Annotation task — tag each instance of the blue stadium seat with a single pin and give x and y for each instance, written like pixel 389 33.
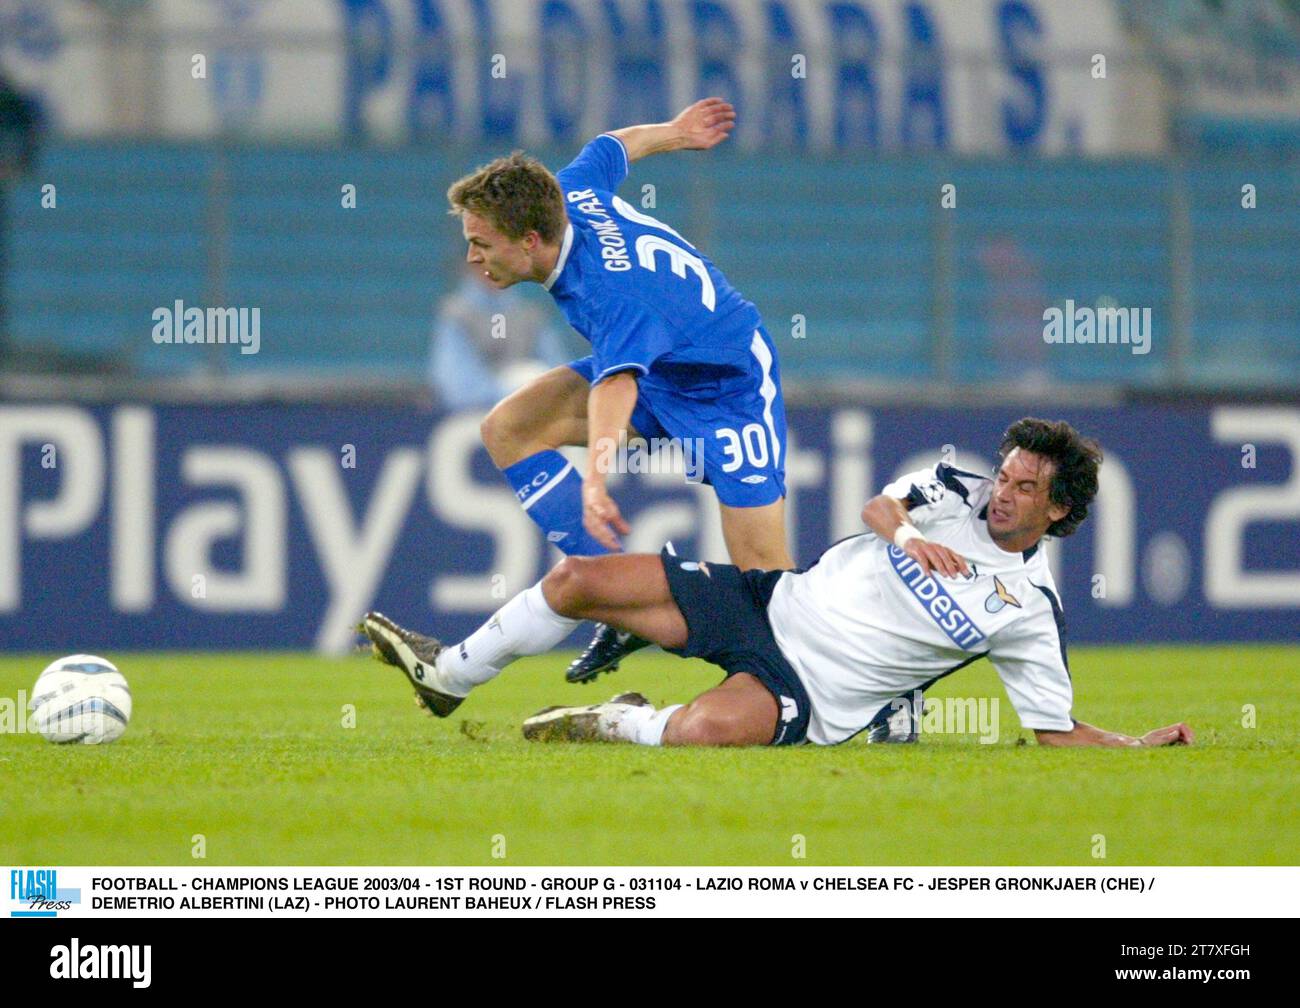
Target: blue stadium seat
pixel 861 250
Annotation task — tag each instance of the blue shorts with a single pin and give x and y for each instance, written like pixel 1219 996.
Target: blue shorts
pixel 726 623
pixel 735 426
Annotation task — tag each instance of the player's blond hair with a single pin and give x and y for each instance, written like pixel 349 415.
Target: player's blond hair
pixel 516 194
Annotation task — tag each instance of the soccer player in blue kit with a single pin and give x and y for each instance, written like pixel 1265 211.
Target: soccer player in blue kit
pixel 676 351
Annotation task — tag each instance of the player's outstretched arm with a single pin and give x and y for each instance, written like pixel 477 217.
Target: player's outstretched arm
pixel 1088 735
pixel 696 127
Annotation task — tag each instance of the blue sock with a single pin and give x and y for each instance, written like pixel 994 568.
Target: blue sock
pixel 550 490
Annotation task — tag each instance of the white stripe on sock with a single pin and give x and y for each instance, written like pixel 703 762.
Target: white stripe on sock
pixel 553 482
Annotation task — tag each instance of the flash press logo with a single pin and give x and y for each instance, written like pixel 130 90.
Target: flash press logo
pixel 75 961
pixel 37 893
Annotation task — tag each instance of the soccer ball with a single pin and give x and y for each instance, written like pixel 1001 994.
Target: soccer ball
pixel 81 698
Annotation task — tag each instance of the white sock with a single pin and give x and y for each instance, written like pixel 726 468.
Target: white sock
pixel 525 625
pixel 643 725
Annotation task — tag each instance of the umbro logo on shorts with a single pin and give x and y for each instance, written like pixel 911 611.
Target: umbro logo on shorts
pixel 753 479
pixel 789 708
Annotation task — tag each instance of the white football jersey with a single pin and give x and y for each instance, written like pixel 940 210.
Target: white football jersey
pixel 864 625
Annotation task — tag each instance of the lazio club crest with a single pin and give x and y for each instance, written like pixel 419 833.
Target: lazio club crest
pixel 999 598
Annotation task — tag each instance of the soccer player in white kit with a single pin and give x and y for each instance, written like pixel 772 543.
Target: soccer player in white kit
pixel 950 571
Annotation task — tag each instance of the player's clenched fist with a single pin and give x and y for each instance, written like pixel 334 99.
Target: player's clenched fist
pixel 934 557
pixel 599 513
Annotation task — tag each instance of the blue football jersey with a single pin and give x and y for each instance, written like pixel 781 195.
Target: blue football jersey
pixel 644 296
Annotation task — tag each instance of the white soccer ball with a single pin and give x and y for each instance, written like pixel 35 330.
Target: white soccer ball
pixel 80 698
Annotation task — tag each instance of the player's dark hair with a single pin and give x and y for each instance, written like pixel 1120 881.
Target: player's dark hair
pixel 516 194
pixel 1074 473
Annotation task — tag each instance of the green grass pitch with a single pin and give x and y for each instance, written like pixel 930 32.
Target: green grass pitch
pixel 251 751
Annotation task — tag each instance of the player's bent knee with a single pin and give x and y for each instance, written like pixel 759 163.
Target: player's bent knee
pixel 573 587
pixel 500 433
pixel 562 587
pixel 513 431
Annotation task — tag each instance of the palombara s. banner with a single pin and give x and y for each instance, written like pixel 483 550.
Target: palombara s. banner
pixel 134 526
pixel 977 76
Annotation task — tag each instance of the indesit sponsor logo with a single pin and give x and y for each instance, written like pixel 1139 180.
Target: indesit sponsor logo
pixel 941 606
